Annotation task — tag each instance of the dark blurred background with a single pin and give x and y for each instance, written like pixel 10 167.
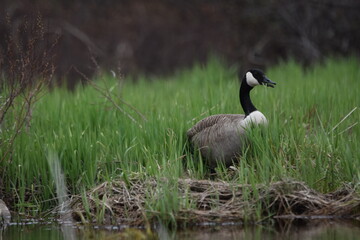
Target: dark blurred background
pixel 159 36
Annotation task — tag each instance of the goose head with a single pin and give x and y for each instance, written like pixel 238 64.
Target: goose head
pixel 254 77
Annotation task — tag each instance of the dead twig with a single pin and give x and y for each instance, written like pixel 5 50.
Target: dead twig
pixel 106 93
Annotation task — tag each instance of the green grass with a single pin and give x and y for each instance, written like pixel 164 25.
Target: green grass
pixel 95 142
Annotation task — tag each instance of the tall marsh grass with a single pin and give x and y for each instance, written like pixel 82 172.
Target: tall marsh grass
pixel 311 135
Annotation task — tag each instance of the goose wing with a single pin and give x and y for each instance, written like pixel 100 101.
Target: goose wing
pixel 214 122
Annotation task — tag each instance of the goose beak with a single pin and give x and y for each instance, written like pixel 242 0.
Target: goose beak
pixel 268 82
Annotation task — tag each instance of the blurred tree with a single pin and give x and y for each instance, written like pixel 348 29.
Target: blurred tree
pixel 156 37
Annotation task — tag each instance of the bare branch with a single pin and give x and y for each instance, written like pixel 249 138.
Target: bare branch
pixel 105 92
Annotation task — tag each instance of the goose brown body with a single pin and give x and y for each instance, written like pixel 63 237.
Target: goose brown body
pixel 218 138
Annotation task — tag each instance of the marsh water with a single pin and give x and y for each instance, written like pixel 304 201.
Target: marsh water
pixel 281 229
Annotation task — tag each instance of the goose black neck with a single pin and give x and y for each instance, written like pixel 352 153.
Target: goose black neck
pixel 245 100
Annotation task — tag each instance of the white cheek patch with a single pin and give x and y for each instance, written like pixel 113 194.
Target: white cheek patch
pixel 250 80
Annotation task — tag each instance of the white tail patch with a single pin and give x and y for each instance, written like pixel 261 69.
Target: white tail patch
pixel 255 118
pixel 251 80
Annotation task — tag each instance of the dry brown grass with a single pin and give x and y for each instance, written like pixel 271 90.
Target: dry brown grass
pixel 216 202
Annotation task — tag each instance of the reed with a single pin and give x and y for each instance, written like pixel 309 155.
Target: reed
pixel 313 134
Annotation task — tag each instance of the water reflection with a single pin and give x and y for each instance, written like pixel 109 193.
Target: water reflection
pixel 281 229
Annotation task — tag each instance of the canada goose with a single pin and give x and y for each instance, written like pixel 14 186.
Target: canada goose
pixel 221 137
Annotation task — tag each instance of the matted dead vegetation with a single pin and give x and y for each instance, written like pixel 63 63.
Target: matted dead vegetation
pixel 213 201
